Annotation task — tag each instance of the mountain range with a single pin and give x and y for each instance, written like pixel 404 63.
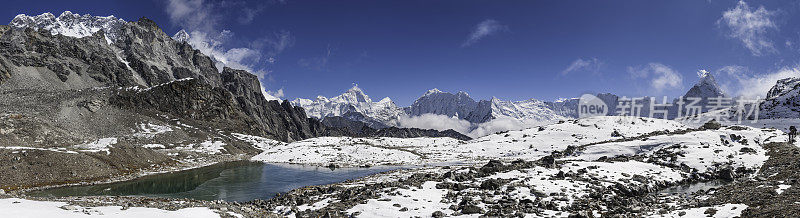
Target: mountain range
pixel 357 106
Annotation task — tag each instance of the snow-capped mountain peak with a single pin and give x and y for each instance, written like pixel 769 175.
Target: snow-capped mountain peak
pixel 353 100
pixel 181 36
pixel 354 95
pixel 432 92
pixel 71 24
pixel 707 87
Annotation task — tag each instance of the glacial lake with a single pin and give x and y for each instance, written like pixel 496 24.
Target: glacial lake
pixel 233 181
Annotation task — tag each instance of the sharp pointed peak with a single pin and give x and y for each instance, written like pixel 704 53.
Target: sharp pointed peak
pixel 181 36
pixel 355 88
pixel 706 86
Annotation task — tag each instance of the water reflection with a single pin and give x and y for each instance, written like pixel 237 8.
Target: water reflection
pixel 233 181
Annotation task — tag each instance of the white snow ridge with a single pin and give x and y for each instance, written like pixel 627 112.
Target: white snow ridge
pixel 71 25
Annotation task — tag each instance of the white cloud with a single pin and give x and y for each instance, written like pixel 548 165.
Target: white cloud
pixel 200 19
pixel 591 65
pixel 661 76
pixel 267 95
pixel 750 26
pixel 435 121
pixel 443 122
pixel 277 94
pixel 249 14
pixel 275 44
pixel 192 14
pixel 738 81
pixel 483 29
pixel 498 125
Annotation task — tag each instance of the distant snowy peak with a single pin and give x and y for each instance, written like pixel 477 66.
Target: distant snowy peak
pixel 353 100
pixel 707 87
pixel 531 110
pixel 181 36
pixel 353 95
pixel 432 92
pixel 462 106
pixel 71 25
pixel 459 105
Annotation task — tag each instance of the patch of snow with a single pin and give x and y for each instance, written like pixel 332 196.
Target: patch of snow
pixel 421 202
pixel 723 211
pixel 15 207
pixel 782 188
pixel 62 150
pixel 150 130
pixel 257 141
pixel 209 147
pixel 99 145
pixel 154 146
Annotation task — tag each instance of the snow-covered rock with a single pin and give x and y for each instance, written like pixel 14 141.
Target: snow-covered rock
pixel 181 36
pixel 459 105
pixel 527 110
pixel 15 207
pixel 72 25
pixel 783 100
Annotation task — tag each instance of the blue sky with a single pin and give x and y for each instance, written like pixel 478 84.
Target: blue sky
pixel 514 51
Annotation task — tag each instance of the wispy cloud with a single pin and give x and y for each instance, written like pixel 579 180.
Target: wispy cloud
pixel 482 30
pixel 444 122
pixel 317 63
pixel 192 14
pixel 274 45
pixel 751 27
pixel 435 121
pixel 591 65
pixel 249 14
pixel 201 18
pixel 740 81
pixel 661 77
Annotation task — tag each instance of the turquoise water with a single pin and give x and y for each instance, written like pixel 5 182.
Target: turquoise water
pixel 233 181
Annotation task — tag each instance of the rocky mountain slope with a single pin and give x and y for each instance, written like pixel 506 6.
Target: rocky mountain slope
pixel 783 100
pixel 40 56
